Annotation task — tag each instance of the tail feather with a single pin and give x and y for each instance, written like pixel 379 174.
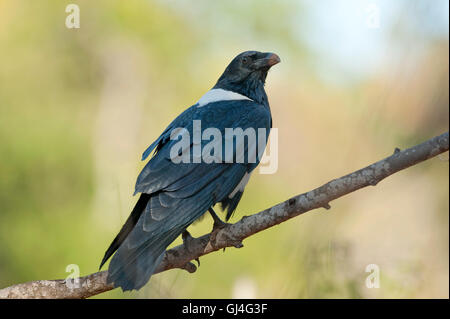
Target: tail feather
pixel 127 227
pixel 131 268
pixel 137 258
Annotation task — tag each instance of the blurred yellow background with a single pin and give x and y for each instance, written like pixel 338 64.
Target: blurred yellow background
pixel 357 79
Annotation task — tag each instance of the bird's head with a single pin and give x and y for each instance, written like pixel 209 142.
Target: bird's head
pixel 247 72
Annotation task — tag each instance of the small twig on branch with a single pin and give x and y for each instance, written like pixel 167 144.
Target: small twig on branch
pixel 232 235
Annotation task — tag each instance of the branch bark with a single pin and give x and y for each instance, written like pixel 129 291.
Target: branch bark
pixel 232 235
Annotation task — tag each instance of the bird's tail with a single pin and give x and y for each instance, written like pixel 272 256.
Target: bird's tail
pixel 132 266
pixel 127 227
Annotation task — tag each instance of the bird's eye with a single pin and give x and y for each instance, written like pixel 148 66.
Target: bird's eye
pixel 245 60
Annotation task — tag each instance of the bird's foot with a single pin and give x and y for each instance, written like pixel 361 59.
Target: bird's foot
pixel 218 223
pixel 187 241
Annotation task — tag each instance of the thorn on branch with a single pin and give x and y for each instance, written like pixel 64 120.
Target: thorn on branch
pixel 238 244
pixel 326 206
pixel 397 150
pixel 373 182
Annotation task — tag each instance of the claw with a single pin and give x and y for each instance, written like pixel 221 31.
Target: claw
pixel 189 267
pixel 238 244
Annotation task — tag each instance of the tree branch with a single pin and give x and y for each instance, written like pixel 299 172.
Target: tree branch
pixel 233 234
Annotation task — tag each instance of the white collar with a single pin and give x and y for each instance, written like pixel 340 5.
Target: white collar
pixel 215 95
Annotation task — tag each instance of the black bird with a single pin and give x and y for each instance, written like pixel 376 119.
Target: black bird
pixel 187 176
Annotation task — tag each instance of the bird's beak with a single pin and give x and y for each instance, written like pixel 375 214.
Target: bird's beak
pixel 273 59
pixel 269 60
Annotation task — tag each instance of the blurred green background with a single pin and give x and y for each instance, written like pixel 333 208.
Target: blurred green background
pixel 357 79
